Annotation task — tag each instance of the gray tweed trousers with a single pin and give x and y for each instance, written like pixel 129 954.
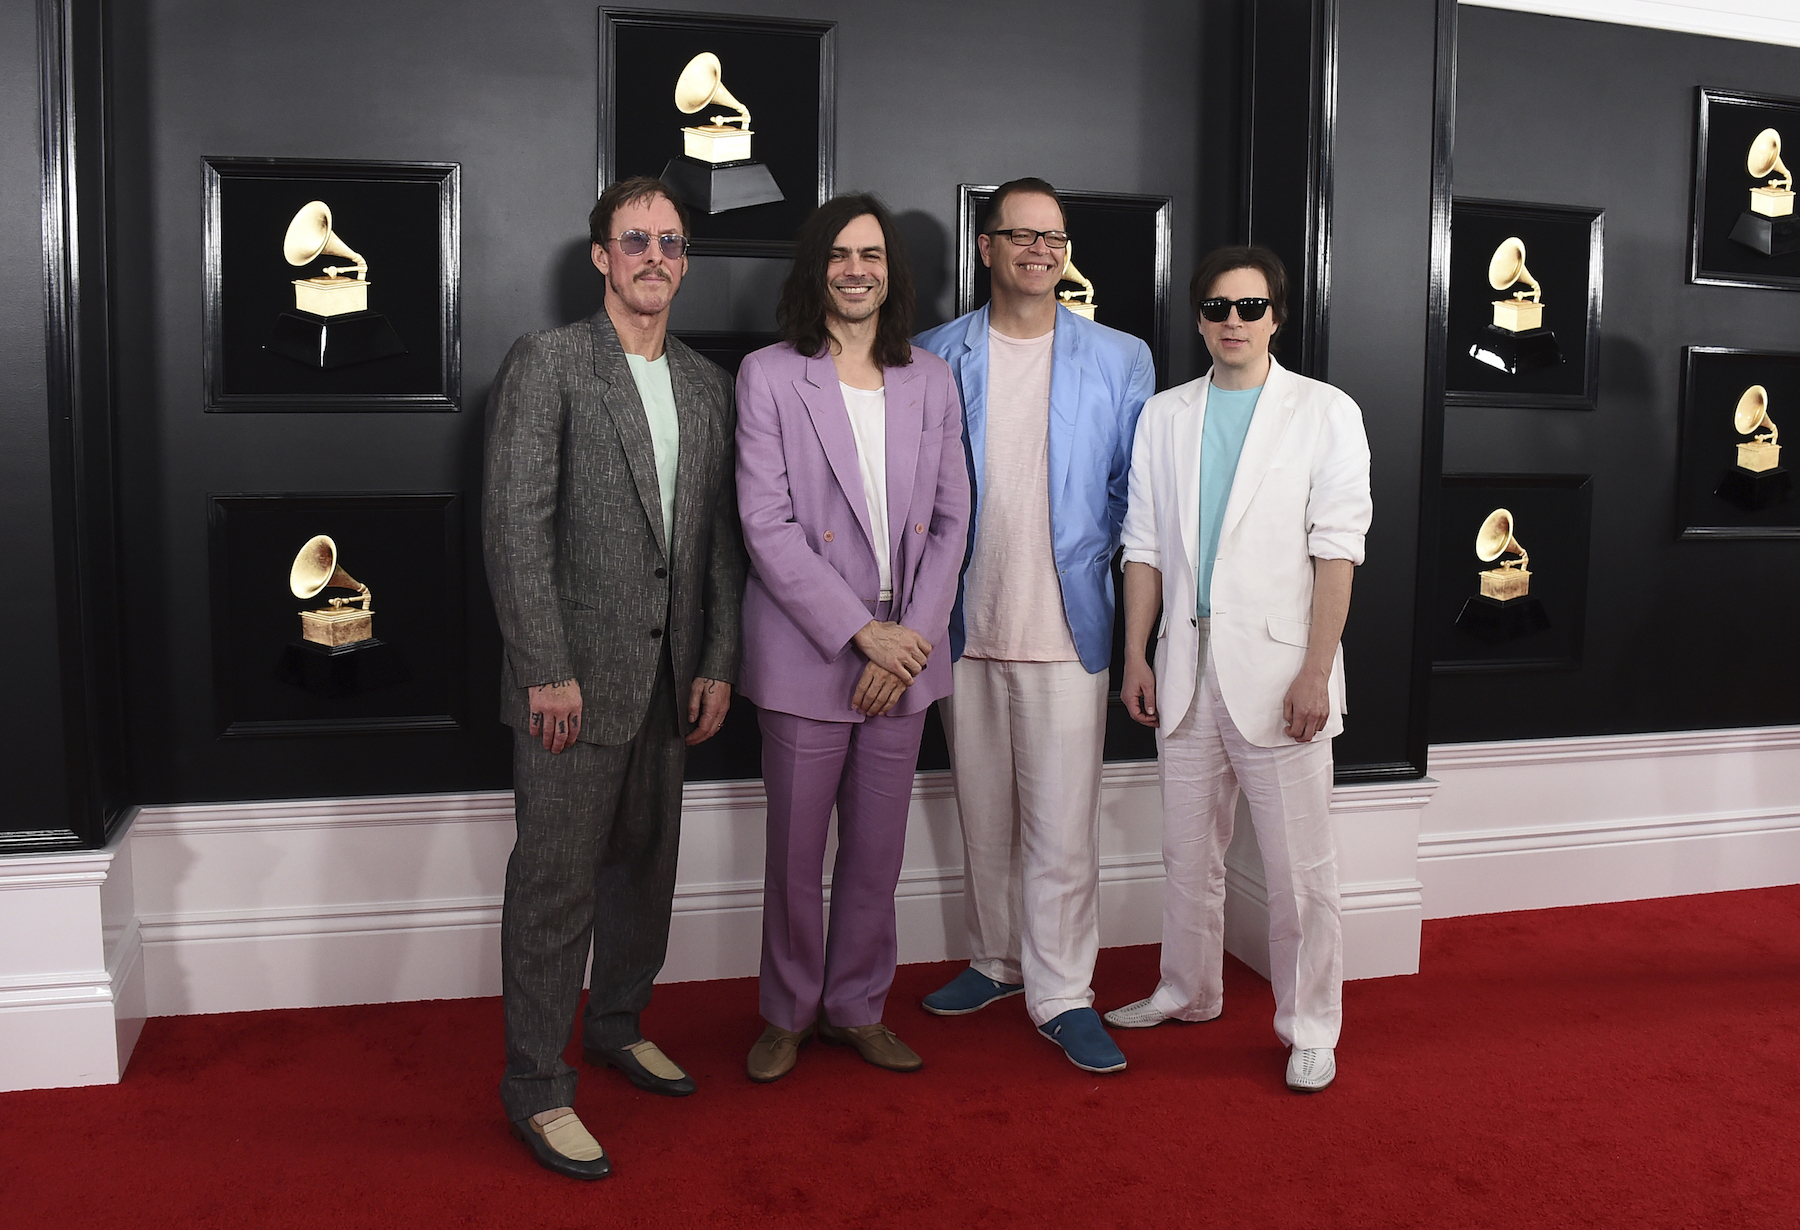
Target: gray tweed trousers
pixel 599 828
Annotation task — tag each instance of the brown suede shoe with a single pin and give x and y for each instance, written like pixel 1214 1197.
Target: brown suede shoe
pixel 774 1054
pixel 875 1043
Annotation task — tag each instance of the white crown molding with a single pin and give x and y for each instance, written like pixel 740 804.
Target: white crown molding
pixel 86 868
pixel 1521 840
pixel 1757 21
pixel 1524 752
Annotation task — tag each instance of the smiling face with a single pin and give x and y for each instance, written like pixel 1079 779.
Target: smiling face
pixel 856 274
pixel 644 285
pixel 1239 348
pixel 1030 272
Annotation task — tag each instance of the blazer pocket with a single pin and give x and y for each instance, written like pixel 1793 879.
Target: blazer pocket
pixel 1290 631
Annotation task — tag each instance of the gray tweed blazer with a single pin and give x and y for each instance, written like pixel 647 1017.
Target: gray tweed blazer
pixel 586 579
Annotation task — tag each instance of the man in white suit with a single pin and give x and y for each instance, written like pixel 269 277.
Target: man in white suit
pixel 1249 501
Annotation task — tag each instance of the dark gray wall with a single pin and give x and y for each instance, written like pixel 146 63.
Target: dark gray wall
pixel 36 796
pixel 1680 635
pixel 508 92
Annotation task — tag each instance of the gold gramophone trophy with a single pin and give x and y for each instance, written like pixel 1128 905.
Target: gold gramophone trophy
pixel 1769 226
pixel 714 171
pixel 1504 609
pixel 1495 541
pixel 331 324
pixel 1516 340
pixel 1080 302
pixel 1759 480
pixel 340 621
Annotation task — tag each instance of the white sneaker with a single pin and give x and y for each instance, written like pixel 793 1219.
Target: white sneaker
pixel 1141 1015
pixel 1311 1069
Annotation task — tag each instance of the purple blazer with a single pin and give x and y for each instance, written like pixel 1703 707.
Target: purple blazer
pixel 813 579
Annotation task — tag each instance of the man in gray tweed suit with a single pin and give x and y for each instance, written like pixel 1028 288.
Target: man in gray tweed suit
pixel 609 521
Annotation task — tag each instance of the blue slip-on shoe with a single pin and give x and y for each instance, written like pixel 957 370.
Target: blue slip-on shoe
pixel 1084 1040
pixel 970 991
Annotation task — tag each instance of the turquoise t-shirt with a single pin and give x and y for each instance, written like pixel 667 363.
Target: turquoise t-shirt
pixel 658 395
pixel 1228 414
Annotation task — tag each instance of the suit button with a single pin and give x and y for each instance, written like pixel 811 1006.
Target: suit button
pixel 655 632
pixel 919 528
pixel 827 535
pixel 661 573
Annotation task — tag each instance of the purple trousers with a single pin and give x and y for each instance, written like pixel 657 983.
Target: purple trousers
pixel 866 769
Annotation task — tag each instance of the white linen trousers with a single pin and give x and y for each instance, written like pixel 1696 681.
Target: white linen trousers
pixel 1026 741
pixel 1203 763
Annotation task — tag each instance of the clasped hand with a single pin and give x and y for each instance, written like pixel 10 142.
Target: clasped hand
pixel 896 654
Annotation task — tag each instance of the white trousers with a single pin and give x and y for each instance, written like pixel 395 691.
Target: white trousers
pixel 1026 739
pixel 1203 762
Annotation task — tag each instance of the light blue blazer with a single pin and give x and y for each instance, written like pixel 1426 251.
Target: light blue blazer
pixel 1099 381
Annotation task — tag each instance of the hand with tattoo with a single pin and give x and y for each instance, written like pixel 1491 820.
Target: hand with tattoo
pixel 709 700
pixel 556 713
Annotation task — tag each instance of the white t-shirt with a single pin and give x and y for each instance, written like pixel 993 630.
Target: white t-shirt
pixel 868 423
pixel 1012 596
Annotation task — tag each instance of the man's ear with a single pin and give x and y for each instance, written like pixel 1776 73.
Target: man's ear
pixel 601 258
pixel 984 244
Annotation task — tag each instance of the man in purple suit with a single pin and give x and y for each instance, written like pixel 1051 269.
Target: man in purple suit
pixel 854 497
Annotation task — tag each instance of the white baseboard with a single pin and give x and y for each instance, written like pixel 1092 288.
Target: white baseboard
pixel 1762 21
pixel 1553 822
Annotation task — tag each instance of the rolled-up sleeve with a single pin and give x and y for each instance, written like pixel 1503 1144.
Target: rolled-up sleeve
pixel 1339 508
pixel 1138 535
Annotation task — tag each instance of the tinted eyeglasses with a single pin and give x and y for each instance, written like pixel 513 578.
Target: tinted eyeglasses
pixel 636 243
pixel 1024 237
pixel 1248 310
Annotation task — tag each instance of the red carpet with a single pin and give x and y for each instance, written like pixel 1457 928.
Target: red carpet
pixel 1616 1065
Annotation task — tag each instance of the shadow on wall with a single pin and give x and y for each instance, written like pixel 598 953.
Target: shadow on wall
pixel 580 290
pixel 928 248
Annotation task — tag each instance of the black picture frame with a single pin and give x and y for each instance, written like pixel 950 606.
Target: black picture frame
pixel 403 217
pixel 405 546
pixel 1565 250
pixel 1726 123
pixel 1553 516
pixel 1712 380
pixel 1122 242
pixel 783 70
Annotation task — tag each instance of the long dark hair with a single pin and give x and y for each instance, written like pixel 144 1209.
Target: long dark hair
pixel 802 310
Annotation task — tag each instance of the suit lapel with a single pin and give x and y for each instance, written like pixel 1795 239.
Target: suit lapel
pixel 1273 410
pixel 691 417
pixel 818 390
pixel 1185 430
pixel 626 409
pixel 905 424
pixel 1065 402
pixel 972 379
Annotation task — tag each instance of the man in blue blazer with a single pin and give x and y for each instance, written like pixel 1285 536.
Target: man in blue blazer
pixel 1051 402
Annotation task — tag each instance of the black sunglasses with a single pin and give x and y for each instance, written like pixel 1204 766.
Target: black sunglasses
pixel 636 243
pixel 1248 310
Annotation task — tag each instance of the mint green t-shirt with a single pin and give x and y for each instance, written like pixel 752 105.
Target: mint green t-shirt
pixel 1228 414
pixel 658 396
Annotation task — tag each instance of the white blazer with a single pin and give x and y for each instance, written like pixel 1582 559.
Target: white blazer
pixel 1301 492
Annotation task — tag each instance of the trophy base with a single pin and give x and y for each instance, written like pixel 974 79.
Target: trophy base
pixel 326 342
pixel 1497 622
pixel 337 671
pixel 713 188
pixel 1513 353
pixel 1081 309
pixel 1770 236
pixel 1756 491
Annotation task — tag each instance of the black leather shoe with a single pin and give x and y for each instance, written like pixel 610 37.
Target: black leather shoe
pixel 550 1158
pixel 645 1066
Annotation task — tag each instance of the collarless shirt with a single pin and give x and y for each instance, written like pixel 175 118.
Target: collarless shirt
pixel 1012 595
pixel 658 395
pixel 1228 415
pixel 868 423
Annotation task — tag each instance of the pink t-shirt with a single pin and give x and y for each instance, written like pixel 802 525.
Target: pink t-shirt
pixel 1012 598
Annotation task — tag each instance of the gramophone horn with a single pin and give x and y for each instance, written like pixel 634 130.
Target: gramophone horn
pixel 699 85
pixel 316 568
pixel 1765 157
pixel 309 236
pixel 1496 538
pixel 1753 412
pixel 1507 266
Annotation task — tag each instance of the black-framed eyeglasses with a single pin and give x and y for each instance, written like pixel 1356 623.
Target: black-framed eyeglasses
pixel 1248 310
pixel 636 243
pixel 1024 237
